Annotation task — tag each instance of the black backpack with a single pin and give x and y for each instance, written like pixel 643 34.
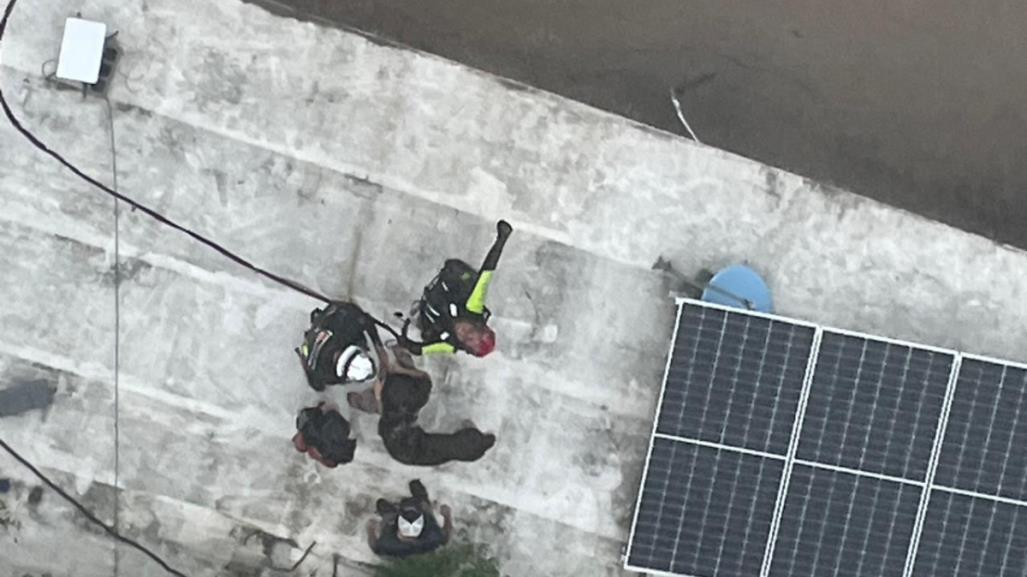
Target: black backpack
pixel 324 324
pixel 328 433
pixel 444 299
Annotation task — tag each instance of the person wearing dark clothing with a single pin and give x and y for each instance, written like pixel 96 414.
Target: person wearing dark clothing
pixel 409 527
pixel 324 434
pixel 339 347
pixel 403 392
pixel 451 314
pixel 403 397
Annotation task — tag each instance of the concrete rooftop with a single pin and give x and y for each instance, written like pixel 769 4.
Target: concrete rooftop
pixel 356 168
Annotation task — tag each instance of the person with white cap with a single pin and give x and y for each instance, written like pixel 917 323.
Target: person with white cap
pixel 409 527
pixel 341 347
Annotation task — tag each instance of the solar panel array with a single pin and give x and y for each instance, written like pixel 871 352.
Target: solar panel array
pixel 783 449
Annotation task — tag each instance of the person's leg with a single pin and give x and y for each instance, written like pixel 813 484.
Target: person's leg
pixel 364 401
pixel 413 446
pixel 404 358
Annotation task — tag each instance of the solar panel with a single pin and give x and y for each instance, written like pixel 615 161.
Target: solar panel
pixel 843 524
pixel 966 535
pixel 735 379
pixel 987 431
pixel 705 511
pixel 874 405
pixel 784 449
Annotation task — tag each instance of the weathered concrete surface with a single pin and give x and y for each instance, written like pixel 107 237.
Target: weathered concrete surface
pixel 356 168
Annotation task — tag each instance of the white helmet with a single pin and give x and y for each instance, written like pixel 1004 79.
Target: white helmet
pixel 354 364
pixel 410 529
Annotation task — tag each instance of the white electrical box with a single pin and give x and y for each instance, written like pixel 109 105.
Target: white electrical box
pixel 81 50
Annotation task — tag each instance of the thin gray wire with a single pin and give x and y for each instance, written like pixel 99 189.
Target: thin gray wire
pixel 117 333
pixel 42 69
pixel 681 116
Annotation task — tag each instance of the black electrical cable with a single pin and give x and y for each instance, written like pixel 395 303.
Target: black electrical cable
pixel 17 456
pixel 137 205
pixel 87 513
pixel 40 145
pixel 7 16
pixel 35 141
pixel 306 553
pixel 117 332
pixel 154 214
pixel 112 531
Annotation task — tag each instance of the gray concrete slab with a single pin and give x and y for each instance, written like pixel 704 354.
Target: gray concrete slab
pixel 356 168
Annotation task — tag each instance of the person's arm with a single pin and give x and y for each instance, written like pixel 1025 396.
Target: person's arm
pixel 299 442
pixel 417 348
pixel 317 456
pixel 404 358
pixel 372 534
pixel 383 359
pixel 440 348
pixel 476 302
pixel 447 523
pixel 419 492
pixel 378 388
pixel 404 364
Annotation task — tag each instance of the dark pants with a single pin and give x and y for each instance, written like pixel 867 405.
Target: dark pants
pixel 402 400
pixel 411 445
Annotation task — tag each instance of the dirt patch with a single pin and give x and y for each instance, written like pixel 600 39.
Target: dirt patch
pixel 7 519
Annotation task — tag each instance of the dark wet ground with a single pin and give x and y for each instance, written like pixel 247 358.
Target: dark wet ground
pixel 918 104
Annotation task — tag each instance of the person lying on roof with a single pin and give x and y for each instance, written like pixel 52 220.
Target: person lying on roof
pixel 340 348
pixel 398 397
pixel 451 314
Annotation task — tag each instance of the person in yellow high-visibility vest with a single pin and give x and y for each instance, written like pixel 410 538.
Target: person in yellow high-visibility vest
pixel 451 314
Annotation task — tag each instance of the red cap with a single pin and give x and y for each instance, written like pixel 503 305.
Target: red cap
pixel 488 343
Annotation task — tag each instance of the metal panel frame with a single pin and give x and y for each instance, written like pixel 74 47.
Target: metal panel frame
pixel 828 328
pixel 793 449
pixel 858 472
pixel 994 361
pixel 932 467
pixel 720 446
pixel 770 316
pixel 984 496
pixel 891 341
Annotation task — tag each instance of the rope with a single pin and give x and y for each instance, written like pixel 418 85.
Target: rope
pixel 86 512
